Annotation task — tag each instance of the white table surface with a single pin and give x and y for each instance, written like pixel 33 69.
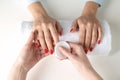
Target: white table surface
pixel 12 13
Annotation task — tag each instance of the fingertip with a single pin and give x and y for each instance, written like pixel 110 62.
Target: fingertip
pixel 60 33
pixel 65 52
pixel 86 51
pixel 99 41
pixel 59 28
pixel 72 30
pixel 100 33
pixel 91 49
pixel 74 26
pixel 60 48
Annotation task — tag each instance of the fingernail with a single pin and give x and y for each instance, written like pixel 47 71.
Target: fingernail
pixel 60 33
pixel 36 45
pixel 51 51
pixel 86 51
pixel 45 50
pixel 99 41
pixel 91 49
pixel 71 30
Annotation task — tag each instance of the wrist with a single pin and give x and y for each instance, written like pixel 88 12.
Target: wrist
pixel 40 15
pixel 90 74
pixel 20 68
pixel 17 72
pixel 90 8
pixel 37 10
pixel 23 64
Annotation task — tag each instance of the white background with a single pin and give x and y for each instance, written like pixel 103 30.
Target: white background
pixel 12 13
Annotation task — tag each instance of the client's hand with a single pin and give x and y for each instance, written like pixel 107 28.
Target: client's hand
pixel 80 61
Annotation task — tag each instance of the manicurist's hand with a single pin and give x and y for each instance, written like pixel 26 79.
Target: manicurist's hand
pixel 28 58
pixel 90 31
pixel 48 28
pixel 80 61
pixel 30 54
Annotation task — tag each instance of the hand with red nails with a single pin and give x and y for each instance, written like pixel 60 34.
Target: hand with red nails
pixel 80 61
pixel 29 56
pixel 90 31
pixel 48 28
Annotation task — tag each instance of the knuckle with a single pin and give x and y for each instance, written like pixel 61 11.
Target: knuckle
pixel 81 42
pixel 87 45
pixel 48 38
pixel 35 23
pixel 89 25
pixel 81 37
pixel 93 44
pixel 35 26
pixel 88 38
pixel 43 24
pixel 79 21
pixel 83 26
pixel 95 36
pixel 41 37
pixel 54 32
pixel 82 21
pixel 50 24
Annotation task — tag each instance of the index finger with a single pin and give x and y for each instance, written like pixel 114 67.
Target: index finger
pixel 100 33
pixel 54 34
pixel 65 52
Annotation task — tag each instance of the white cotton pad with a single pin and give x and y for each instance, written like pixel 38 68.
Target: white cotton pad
pixel 57 52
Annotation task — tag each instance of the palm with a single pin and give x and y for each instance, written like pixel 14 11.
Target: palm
pixel 30 56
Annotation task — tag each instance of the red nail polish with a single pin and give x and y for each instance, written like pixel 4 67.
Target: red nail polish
pixel 86 51
pixel 91 49
pixel 45 51
pixel 71 30
pixel 60 33
pixel 36 45
pixel 99 41
pixel 51 51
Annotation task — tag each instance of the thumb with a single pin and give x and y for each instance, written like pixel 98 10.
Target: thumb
pixel 65 52
pixel 59 28
pixel 78 49
pixel 74 26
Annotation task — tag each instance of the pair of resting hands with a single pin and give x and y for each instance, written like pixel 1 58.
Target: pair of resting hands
pixel 30 55
pixel 49 29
